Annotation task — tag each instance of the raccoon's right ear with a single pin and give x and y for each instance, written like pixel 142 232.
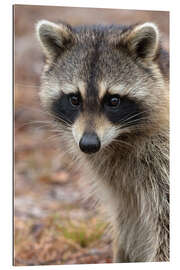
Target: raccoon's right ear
pixel 54 38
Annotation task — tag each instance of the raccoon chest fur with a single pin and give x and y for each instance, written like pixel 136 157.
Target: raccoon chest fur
pixel 133 188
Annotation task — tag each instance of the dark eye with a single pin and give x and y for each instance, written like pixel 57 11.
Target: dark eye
pixel 113 101
pixel 74 100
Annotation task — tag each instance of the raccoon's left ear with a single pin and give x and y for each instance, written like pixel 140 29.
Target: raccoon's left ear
pixel 142 40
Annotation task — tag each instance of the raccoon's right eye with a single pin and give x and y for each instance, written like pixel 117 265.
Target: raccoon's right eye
pixel 114 101
pixel 75 100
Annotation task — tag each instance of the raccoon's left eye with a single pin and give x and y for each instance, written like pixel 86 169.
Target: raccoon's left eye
pixel 113 101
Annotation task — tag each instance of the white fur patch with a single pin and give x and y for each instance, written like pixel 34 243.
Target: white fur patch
pixel 68 88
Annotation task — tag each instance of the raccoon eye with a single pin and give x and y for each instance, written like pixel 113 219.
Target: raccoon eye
pixel 114 101
pixel 74 100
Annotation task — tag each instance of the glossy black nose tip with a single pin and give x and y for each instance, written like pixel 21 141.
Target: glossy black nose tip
pixel 90 143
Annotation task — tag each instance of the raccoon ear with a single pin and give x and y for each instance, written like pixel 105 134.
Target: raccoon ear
pixel 54 38
pixel 143 40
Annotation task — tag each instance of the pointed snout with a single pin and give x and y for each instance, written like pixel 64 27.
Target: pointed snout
pixel 90 143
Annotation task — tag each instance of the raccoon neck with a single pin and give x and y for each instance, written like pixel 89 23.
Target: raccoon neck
pixel 132 173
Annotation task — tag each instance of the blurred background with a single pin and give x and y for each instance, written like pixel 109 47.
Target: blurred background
pixel 52 223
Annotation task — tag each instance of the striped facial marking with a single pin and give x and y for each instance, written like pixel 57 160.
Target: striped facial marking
pixel 111 103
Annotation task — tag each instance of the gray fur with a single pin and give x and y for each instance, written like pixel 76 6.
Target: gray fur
pixel 130 174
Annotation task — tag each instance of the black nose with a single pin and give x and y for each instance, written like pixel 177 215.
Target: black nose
pixel 89 143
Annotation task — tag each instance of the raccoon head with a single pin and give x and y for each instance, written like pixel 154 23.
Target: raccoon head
pixel 102 82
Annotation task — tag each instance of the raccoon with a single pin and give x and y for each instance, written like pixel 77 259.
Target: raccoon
pixel 107 89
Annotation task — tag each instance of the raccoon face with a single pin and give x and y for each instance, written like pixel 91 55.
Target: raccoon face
pixel 101 82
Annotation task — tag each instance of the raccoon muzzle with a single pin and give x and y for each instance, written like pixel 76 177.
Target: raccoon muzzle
pixel 90 143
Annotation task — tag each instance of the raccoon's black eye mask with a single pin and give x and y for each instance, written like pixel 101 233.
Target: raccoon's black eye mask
pixel 118 110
